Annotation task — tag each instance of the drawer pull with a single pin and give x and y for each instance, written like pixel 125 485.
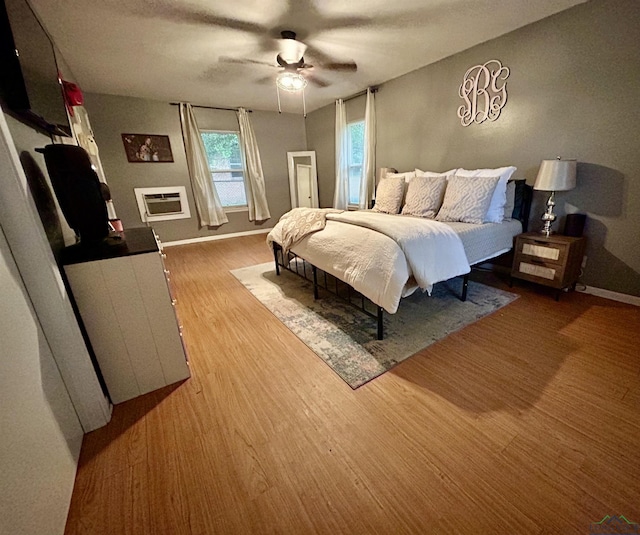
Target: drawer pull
pixel 174 302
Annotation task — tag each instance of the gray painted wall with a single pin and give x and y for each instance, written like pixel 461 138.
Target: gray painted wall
pixel 573 91
pixel 112 116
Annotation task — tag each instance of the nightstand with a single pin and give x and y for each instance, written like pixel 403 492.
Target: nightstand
pixel 553 261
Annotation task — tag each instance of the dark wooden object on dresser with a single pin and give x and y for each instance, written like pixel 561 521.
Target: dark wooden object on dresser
pixel 553 261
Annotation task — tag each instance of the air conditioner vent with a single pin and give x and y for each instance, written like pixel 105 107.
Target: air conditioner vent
pixel 158 204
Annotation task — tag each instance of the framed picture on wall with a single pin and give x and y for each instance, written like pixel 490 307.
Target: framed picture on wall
pixel 147 148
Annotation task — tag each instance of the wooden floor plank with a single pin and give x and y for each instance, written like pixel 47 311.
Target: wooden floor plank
pixel 527 421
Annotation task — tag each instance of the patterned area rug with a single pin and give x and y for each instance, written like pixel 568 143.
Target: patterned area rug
pixel 345 338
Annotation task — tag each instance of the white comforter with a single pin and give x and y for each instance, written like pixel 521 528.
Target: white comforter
pixel 382 264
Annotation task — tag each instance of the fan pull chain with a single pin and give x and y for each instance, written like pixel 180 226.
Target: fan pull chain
pixel 304 105
pixel 278 93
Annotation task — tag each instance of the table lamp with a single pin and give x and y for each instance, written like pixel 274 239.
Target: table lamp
pixel 554 175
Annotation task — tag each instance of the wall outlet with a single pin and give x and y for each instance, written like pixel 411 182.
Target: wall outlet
pixel 584 261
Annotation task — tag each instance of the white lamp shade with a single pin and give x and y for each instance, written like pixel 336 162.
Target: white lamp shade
pixel 556 175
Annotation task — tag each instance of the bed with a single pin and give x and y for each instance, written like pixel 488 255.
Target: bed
pixel 374 258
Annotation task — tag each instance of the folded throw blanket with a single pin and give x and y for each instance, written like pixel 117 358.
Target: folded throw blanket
pixel 298 223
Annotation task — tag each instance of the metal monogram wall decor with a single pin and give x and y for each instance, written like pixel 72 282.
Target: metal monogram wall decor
pixel 484 91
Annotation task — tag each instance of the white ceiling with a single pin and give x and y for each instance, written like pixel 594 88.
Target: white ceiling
pixel 170 49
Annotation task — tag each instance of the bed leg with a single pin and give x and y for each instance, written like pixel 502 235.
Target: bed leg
pixel 276 248
pixel 465 286
pixel 380 325
pixel 314 269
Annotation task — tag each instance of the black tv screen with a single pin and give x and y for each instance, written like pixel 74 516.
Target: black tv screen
pixel 30 88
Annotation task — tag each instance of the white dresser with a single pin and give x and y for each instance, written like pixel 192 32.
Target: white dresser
pixel 125 302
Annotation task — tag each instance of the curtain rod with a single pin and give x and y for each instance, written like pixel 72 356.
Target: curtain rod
pixel 374 89
pixel 210 107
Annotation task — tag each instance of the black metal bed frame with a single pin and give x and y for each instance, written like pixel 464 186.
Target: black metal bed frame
pixel 333 284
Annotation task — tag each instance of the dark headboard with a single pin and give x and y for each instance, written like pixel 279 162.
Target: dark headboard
pixel 522 205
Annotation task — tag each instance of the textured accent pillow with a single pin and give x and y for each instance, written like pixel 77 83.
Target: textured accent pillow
pixel 389 195
pixel 467 200
pixel 495 214
pixel 511 200
pixel 424 196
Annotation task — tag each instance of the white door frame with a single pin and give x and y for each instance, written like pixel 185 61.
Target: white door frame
pixel 310 159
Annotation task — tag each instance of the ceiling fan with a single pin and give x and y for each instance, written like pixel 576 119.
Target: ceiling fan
pixel 295 72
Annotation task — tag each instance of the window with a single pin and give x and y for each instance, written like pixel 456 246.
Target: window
pixel 355 133
pixel 226 166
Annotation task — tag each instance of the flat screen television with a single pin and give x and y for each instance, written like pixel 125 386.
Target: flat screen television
pixel 30 89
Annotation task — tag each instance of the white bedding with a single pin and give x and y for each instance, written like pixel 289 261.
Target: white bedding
pixel 393 260
pixel 418 239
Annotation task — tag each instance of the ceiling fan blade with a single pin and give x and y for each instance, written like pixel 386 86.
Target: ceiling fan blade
pixel 194 15
pixel 244 61
pixel 318 82
pixel 324 61
pixel 344 67
pixel 266 80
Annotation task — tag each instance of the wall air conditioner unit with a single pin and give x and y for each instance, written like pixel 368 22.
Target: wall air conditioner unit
pixel 162 204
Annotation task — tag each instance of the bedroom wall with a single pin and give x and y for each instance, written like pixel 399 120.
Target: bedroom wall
pixel 573 91
pixel 112 116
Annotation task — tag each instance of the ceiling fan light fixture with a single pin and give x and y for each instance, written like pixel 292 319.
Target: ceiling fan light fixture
pixel 291 81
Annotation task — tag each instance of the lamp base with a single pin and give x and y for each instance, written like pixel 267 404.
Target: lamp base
pixel 547 231
pixel 549 217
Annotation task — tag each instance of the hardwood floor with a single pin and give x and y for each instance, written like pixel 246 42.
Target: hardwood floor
pixel 525 422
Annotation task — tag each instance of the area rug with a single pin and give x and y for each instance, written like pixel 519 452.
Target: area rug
pixel 345 338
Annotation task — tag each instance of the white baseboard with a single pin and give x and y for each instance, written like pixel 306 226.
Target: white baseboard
pixel 216 237
pixel 615 296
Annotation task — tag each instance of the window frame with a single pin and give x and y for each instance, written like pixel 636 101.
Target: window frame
pixel 350 165
pixel 239 207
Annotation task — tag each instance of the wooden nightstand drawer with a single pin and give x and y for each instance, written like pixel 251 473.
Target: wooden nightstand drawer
pixel 553 253
pixel 534 270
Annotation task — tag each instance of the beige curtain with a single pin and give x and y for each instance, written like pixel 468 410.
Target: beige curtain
pixel 341 194
pixel 368 180
pixel 208 206
pixel 254 181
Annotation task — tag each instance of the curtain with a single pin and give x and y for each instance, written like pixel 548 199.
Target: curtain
pixel 341 195
pixel 84 136
pixel 254 181
pixel 368 180
pixel 208 206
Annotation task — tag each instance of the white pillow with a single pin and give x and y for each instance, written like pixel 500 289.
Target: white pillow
pixel 511 200
pixel 389 195
pixel 467 200
pixel 407 175
pixel 495 214
pixel 450 173
pixel 424 196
